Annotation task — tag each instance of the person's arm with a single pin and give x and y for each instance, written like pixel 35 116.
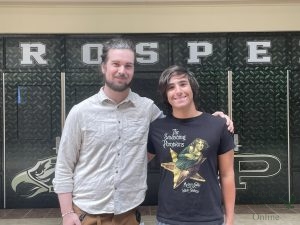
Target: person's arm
pixel 229 122
pixel 69 217
pixel 226 170
pixel 150 156
pixel 67 157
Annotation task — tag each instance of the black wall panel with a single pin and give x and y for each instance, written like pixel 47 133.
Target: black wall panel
pixel 259 110
pixel 32 124
pixel 46 53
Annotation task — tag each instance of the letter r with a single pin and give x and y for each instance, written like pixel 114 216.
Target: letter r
pixel 32 51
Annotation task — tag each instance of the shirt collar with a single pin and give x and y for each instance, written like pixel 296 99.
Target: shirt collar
pixel 130 99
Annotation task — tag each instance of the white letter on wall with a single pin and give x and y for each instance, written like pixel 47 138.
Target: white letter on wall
pixel 87 53
pixel 32 51
pixel 142 49
pixel 205 50
pixel 257 52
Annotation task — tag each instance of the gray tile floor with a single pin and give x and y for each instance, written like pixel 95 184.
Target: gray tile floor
pixel 244 215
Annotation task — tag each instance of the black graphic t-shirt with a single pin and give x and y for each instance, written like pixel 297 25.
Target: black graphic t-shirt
pixel 188 149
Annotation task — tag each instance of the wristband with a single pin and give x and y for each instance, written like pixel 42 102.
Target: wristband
pixel 69 212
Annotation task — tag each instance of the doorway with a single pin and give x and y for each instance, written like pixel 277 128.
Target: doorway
pixel 32 123
pixel 259 113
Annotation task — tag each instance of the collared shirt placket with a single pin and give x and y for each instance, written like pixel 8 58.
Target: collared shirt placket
pixel 118 155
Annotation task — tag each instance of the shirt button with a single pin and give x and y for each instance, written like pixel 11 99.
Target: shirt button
pixel 117 171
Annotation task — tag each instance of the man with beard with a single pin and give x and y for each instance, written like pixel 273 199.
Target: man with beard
pixel 101 168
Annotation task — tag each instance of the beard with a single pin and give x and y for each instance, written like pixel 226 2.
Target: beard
pixel 117 87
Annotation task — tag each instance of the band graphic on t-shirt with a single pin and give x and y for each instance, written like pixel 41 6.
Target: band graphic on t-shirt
pixel 185 164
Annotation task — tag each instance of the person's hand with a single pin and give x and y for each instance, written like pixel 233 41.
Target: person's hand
pixel 71 219
pixel 229 122
pixel 228 221
pixel 150 156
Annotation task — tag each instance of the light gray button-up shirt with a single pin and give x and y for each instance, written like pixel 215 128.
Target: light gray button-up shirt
pixel 102 157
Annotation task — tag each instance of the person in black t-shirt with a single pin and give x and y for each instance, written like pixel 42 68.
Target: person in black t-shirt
pixel 195 151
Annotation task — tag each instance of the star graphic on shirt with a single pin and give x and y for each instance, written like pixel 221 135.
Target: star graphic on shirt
pixel 185 165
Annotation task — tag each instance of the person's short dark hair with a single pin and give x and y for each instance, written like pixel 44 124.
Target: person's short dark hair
pixel 116 43
pixel 165 78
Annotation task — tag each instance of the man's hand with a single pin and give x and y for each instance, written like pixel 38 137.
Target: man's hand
pixel 71 219
pixel 228 120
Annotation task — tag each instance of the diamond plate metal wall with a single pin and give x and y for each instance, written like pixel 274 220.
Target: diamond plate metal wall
pixel 74 52
pixel 216 59
pixel 155 57
pixel 32 122
pixel 1 143
pixel 294 42
pixel 239 49
pixel 259 111
pixel 40 92
pixel 213 89
pixel 1 51
pixel 75 45
pixel 294 114
pixel 211 70
pixel 80 86
pixel 295 104
pixel 52 56
pixel 295 130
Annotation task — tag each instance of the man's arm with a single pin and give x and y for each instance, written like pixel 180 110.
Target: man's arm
pixel 229 122
pixel 68 215
pixel 226 170
pixel 66 160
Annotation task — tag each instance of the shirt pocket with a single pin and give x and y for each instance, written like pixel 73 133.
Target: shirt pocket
pixel 99 132
pixel 136 131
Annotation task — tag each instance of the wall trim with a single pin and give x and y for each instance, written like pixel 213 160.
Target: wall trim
pixel 156 18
